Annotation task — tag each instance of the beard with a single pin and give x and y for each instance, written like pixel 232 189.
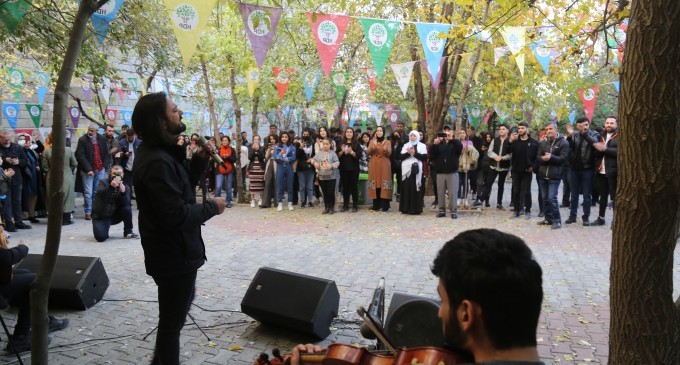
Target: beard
pixel 177 129
pixel 456 339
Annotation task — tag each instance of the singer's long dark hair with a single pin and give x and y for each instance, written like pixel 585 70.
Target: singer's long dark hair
pixel 149 118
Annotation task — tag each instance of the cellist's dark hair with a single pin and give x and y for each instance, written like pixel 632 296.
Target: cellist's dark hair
pixel 149 118
pixel 497 271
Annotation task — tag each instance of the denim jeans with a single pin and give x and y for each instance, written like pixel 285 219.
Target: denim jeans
pixel 580 182
pixel 220 183
pixel 100 227
pixel 549 190
pixel 90 186
pixel 284 181
pixel 306 179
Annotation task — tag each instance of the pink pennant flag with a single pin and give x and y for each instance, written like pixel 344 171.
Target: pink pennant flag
pixel 588 97
pixel 111 115
pixel 282 77
pixel 328 30
pixel 434 83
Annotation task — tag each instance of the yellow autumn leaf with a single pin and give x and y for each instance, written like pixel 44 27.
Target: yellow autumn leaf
pixel 568 357
pixel 235 348
pixel 625 13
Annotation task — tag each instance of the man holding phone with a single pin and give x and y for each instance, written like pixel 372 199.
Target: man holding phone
pixel 445 154
pixel 112 206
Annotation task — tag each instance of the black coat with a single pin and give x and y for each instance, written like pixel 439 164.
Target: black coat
pixel 554 167
pixel 169 218
pixel 125 147
pixel 14 151
pixel 85 153
pixel 445 156
pixel 531 147
pixel 611 165
pixel 581 151
pixel 108 199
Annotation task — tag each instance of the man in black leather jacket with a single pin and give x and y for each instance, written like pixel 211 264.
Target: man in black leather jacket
pixel 169 218
pixel 552 155
pixel 112 205
pixel 606 165
pixel 581 162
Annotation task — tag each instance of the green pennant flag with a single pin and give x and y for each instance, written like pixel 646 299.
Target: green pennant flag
pixel 474 113
pixel 380 35
pixel 16 81
pixel 134 83
pixel 339 79
pixel 363 116
pixel 11 13
pixel 35 110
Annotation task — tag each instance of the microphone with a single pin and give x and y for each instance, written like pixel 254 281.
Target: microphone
pixel 375 309
pixel 201 141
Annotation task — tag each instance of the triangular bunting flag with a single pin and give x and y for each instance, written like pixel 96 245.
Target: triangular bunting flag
pixel 102 18
pixel 474 113
pixel 42 81
pixel 282 77
pixel 393 117
pixel 572 116
pixel 11 112
pixel 452 112
pixel 35 111
pixel 87 88
pixel 339 80
pixel 127 116
pixel 311 81
pixel 433 82
pixel 11 13
pixel 189 21
pixel 111 115
pixel 498 53
pixel 16 82
pixel 588 97
pixel 44 132
pixel 514 37
pixel 542 54
pixel 119 89
pixel 261 23
pixel 74 113
pixel 403 73
pixel 380 35
pixel 253 80
pixel 617 85
pixel 502 111
pixel 328 30
pixel 433 38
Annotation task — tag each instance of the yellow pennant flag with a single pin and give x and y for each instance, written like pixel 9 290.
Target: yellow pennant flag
pixel 142 84
pixel 520 63
pixel 189 18
pixel 514 37
pixel 253 77
pixel 81 131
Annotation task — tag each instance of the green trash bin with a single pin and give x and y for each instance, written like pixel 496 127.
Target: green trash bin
pixel 363 190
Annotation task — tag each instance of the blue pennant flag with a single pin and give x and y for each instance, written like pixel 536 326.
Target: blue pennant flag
pixel 127 116
pixel 186 115
pixel 452 113
pixel 311 80
pixel 617 85
pixel 11 112
pixel 433 38
pixel 572 116
pixel 102 18
pixel 542 54
pixel 353 117
pixel 41 80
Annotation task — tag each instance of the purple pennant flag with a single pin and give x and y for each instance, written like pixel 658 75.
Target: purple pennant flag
pixel 87 88
pixel 74 112
pixel 261 23
pixel 434 83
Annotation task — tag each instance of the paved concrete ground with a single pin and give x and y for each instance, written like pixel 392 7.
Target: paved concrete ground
pixel 352 249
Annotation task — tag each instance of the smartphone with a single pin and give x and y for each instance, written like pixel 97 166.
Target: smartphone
pixel 441 135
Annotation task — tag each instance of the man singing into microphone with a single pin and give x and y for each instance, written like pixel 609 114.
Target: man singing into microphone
pixel 169 218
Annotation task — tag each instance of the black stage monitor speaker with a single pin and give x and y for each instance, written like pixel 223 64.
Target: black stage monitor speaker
pixel 412 321
pixel 79 282
pixel 294 301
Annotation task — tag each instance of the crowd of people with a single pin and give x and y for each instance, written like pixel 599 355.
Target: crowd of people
pixel 319 165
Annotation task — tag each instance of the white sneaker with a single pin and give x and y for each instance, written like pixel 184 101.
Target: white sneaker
pixel 280 207
pixel 252 203
pixel 259 202
pixel 290 206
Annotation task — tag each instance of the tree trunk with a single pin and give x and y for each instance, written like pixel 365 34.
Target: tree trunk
pixel 211 102
pixel 254 121
pixel 645 322
pixel 40 288
pixel 237 120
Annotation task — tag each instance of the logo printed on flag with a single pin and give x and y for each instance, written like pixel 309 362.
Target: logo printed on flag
pixel 328 30
pixel 261 23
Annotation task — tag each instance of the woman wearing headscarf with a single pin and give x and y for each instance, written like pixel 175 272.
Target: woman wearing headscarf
pixel 380 171
pixel 269 172
pixel 70 165
pixel 30 177
pixel 484 169
pixel 412 155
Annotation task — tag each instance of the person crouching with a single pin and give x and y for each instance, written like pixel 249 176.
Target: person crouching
pixel 112 206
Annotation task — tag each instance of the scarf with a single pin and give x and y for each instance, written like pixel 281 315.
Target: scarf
pixel 406 164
